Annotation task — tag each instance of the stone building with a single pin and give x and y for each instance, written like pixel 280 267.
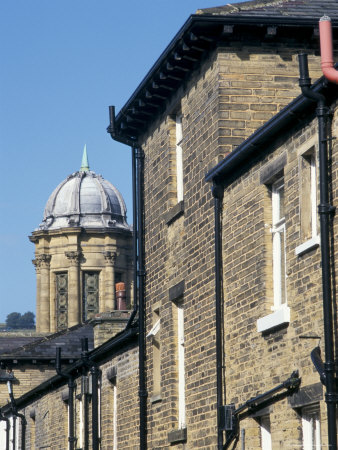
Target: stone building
pixel 208 340
pixel 273 315
pixel 227 73
pixel 82 249
pixel 83 260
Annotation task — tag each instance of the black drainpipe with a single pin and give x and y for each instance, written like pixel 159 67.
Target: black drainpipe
pixel 84 359
pixel 71 386
pixel 217 192
pixel 133 144
pixel 95 375
pixel 15 413
pixel 135 232
pixel 139 270
pixel 325 211
pixel 143 394
pixel 95 407
pixel 85 421
pixel 5 419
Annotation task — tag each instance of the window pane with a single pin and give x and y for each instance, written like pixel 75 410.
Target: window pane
pixel 278 201
pixel 311 428
pixel 90 295
pixel 61 300
pixel 278 243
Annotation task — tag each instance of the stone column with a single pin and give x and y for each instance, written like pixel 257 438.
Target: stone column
pixel 43 262
pixel 52 296
pixel 74 310
pixel 36 263
pixel 109 277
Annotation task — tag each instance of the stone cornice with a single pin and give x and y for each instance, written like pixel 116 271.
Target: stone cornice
pixel 36 235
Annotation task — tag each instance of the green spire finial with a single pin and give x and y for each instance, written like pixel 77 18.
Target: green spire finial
pixel 85 163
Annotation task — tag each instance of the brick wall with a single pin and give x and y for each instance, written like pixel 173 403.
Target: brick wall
pixel 235 91
pixel 49 426
pixel 256 361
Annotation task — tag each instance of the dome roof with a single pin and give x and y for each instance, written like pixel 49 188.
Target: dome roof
pixel 85 199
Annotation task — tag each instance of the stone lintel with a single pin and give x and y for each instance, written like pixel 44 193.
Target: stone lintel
pixel 174 213
pixel 177 291
pixel 306 395
pixel 179 435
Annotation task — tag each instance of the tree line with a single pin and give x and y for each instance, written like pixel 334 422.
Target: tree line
pixel 17 320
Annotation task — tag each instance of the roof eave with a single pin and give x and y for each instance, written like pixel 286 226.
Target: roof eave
pixel 208 23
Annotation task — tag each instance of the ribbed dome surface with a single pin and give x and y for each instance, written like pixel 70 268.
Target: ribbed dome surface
pixel 87 200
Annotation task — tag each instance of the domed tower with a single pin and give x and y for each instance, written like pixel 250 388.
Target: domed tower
pixel 83 248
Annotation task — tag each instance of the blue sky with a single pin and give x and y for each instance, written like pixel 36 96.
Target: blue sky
pixel 63 62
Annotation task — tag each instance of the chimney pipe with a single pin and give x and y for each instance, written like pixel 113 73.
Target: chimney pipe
pixel 120 289
pixel 326 49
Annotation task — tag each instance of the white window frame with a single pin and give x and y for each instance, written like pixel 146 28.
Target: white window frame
pixel 181 368
pixel 311 427
pixel 155 335
pixel 278 245
pixel 99 401
pixel 313 188
pixel 14 432
pixel 314 241
pixel 68 443
pixel 281 312
pixel 114 417
pixel 179 158
pixel 3 431
pixel 11 432
pixel 81 422
pixel 265 427
pixel 156 328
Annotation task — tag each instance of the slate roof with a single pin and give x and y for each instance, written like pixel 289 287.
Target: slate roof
pixel 45 348
pixel 118 343
pixel 275 8
pixel 8 343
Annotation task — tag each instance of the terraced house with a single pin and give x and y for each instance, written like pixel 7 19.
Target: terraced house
pixel 232 335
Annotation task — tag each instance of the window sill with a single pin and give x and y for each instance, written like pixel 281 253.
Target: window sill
pixel 156 398
pixel 176 436
pixel 307 246
pixel 276 319
pixel 174 213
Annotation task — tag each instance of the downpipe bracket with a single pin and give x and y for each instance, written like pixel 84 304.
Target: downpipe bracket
pixel 141 273
pixel 326 209
pixel 143 394
pixel 217 190
pixel 322 111
pixel 331 398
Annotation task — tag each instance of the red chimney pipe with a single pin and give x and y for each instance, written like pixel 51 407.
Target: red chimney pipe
pixel 120 289
pixel 326 49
